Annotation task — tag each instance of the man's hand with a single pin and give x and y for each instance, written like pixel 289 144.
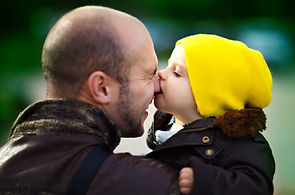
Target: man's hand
pixel 186 180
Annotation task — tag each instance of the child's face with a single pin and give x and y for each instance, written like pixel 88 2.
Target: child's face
pixel 176 96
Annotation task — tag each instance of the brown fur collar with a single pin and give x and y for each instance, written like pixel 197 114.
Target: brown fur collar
pixel 66 117
pixel 237 123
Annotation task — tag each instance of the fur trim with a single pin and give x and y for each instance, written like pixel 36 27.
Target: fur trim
pixel 238 123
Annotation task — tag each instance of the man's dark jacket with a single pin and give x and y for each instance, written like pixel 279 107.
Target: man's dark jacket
pixel 226 158
pixel 49 141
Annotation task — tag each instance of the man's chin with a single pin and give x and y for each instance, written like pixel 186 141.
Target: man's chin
pixel 133 133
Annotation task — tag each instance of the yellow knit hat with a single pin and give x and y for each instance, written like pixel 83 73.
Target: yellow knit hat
pixel 225 74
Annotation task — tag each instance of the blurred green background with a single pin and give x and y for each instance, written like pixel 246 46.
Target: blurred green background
pixel 265 25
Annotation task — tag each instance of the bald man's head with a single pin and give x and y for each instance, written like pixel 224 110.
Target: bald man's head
pixel 85 40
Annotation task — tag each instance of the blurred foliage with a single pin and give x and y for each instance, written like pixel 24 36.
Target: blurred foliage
pixel 266 25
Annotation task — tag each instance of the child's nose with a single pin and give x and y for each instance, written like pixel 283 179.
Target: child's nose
pixel 161 75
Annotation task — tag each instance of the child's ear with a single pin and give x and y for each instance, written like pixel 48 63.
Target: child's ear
pixel 100 86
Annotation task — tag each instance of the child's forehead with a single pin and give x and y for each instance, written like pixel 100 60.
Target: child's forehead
pixel 177 56
pixel 178 50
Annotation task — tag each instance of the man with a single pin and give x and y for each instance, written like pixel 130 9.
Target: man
pixel 100 67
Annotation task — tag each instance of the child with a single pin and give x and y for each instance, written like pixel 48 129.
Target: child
pixel 211 100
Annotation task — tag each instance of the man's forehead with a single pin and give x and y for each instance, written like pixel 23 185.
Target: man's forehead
pixel 146 66
pixel 153 65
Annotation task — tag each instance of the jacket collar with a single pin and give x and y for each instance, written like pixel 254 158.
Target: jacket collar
pixel 65 117
pixel 202 127
pixel 199 125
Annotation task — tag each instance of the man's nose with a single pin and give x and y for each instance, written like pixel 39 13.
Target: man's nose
pixel 156 83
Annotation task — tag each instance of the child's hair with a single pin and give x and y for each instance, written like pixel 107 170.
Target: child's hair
pixel 225 75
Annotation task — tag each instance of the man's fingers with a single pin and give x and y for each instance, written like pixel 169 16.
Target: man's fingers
pixel 185 183
pixel 186 172
pixel 185 190
pixel 186 180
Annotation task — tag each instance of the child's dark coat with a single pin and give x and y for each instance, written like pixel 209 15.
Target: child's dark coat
pixel 222 164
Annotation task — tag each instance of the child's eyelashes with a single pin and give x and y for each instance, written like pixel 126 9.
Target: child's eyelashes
pixel 176 74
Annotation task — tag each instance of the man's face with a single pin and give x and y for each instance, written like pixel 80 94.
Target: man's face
pixel 136 96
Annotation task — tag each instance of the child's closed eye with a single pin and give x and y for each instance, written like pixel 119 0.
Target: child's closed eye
pixel 176 74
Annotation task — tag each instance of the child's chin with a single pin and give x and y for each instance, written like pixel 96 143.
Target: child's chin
pixel 157 104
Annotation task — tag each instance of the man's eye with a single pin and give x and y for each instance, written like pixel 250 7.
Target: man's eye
pixel 176 74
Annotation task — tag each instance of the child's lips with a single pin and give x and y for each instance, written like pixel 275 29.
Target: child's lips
pixel 160 92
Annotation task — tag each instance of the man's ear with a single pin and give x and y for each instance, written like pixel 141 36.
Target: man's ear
pixel 99 85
